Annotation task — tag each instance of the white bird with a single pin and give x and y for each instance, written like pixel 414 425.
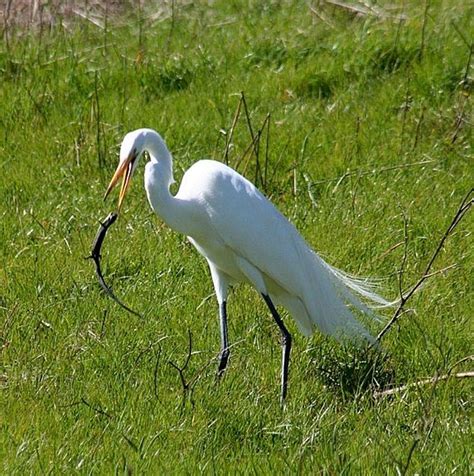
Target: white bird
pixel 244 238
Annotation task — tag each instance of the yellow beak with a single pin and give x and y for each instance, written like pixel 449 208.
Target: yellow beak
pixel 125 169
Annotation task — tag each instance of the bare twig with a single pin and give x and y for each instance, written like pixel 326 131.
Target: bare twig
pixel 267 145
pixel 255 141
pixel 242 157
pixel 189 384
pixel 98 410
pixel 427 381
pixel 87 16
pixel 392 248
pixel 410 455
pixel 185 385
pixel 461 35
pixel 364 9
pixel 466 204
pixel 439 271
pixel 253 145
pixel 149 347
pixel 423 29
pixel 231 132
pixel 261 177
pixel 460 361
pixel 354 8
pixel 320 14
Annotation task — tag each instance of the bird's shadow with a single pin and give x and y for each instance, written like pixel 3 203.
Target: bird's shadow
pixel 352 372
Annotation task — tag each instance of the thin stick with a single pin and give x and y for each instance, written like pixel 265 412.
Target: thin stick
pixel 466 204
pixel 321 16
pixel 427 381
pixel 410 454
pixel 352 8
pixel 423 29
pixel 267 145
pixel 186 386
pixel 186 362
pixel 231 132
pixel 242 157
pixel 97 410
pixel 255 142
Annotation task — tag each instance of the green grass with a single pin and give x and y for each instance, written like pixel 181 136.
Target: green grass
pixel 86 387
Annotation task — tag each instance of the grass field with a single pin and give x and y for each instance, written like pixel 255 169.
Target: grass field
pixel 370 128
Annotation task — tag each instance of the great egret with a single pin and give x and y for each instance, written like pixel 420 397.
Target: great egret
pixel 245 238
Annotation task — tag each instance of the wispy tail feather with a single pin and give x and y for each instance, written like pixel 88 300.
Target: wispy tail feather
pixel 332 314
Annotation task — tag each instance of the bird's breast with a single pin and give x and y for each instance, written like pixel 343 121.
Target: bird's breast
pixel 223 257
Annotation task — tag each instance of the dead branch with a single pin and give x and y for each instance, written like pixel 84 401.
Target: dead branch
pixel 186 386
pixel 267 145
pixel 97 410
pixel 189 384
pixel 366 10
pixel 255 141
pixel 352 7
pixel 321 16
pixel 254 144
pixel 410 455
pixel 427 381
pixel 465 206
pixel 186 363
pixel 231 132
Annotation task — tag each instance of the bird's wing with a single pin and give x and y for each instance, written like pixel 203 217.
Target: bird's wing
pixel 252 227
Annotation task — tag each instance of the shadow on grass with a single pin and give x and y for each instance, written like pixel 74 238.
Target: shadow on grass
pixel 352 372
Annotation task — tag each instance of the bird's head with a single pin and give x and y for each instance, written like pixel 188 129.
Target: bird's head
pixel 132 148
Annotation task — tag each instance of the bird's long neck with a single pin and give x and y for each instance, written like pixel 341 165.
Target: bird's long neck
pixel 158 179
pixel 160 157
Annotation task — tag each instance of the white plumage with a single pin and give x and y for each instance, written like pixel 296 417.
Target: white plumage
pixel 246 239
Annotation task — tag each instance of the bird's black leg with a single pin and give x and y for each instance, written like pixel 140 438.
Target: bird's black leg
pixel 225 352
pixel 286 347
